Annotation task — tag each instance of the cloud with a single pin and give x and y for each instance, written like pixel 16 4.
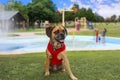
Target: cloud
pixel 73 0
pixel 100 1
pixel 97 1
pixel 108 11
pixel 64 4
pixel 117 0
pixel 81 5
pixel 92 1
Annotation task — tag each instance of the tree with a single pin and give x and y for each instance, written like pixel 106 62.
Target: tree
pixel 98 18
pixel 75 6
pixel 41 10
pixel 119 18
pixel 90 15
pixel 82 12
pixel 107 20
pixel 69 16
pixel 113 18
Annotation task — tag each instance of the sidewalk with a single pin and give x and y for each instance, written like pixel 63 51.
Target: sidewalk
pixel 33 34
pixel 26 34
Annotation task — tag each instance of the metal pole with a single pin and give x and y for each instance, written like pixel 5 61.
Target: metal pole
pixel 63 17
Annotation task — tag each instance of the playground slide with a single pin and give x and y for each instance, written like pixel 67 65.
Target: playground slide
pixel 90 26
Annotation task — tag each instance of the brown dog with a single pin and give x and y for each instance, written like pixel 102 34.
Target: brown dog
pixel 56 58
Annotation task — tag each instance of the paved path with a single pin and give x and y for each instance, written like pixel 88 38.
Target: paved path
pixel 31 34
pixel 26 34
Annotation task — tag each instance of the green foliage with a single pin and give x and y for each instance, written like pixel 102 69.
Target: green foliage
pixel 69 16
pixel 119 18
pixel 90 15
pixel 82 12
pixel 113 18
pixel 98 18
pixel 76 6
pixel 41 10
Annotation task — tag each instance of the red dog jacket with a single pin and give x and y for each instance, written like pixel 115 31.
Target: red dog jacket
pixel 54 60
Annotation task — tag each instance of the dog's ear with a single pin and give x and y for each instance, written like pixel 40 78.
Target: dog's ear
pixel 65 30
pixel 49 31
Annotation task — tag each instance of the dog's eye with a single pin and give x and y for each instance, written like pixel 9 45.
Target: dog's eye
pixel 56 32
pixel 63 31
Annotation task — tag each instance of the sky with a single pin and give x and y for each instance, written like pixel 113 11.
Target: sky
pixel 25 2
pixel 105 8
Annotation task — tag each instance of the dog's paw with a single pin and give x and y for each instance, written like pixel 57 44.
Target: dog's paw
pixel 63 70
pixel 73 78
pixel 47 73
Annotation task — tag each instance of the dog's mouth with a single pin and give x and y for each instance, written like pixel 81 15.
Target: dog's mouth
pixel 60 40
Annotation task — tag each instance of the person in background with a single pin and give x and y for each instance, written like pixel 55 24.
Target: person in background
pixel 78 25
pixel 96 33
pixel 103 35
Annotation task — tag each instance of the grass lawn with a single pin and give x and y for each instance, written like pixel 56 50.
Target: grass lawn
pixel 86 65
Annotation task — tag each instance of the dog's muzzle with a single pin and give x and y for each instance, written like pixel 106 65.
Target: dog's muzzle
pixel 60 38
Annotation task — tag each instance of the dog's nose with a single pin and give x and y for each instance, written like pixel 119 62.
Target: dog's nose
pixel 62 35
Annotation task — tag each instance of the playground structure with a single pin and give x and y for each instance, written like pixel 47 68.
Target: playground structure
pixel 83 23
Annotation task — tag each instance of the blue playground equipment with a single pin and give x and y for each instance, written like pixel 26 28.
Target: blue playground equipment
pixel 90 26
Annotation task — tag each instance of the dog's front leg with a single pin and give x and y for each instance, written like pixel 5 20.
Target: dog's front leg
pixel 67 66
pixel 47 65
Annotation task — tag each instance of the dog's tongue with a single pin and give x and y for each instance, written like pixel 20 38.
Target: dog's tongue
pixel 61 40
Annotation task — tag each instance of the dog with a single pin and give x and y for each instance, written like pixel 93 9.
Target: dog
pixel 56 58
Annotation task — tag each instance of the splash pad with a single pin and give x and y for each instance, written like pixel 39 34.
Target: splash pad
pixel 19 45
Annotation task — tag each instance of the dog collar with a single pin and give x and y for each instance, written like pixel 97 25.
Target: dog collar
pixel 54 48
